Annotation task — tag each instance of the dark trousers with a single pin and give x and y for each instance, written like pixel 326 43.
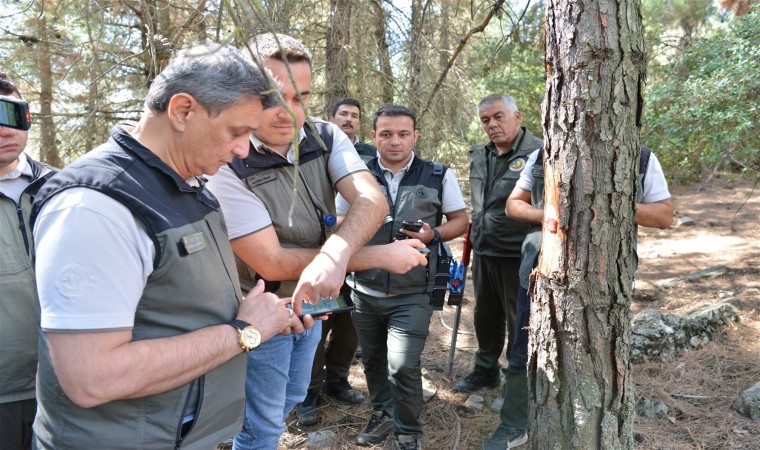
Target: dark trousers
pixel 496 282
pixel 514 410
pixel 392 332
pixel 16 419
pixel 335 353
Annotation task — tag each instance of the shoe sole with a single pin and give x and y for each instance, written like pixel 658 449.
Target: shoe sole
pixel 519 442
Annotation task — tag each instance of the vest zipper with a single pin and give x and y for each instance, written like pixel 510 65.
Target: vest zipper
pixel 317 210
pixel 181 434
pixel 22 226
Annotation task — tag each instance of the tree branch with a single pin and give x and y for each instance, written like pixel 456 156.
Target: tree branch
pixel 462 42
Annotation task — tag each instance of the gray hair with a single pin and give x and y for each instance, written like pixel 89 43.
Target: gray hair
pixel 508 101
pixel 216 76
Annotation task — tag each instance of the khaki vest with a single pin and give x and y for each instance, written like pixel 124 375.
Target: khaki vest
pixel 300 201
pixel 493 233
pixel 191 287
pixel 19 310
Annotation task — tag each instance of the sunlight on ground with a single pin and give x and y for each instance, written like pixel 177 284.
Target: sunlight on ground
pixel 701 244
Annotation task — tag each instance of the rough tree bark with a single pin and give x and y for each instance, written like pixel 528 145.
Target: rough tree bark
pixel 48 142
pixel 336 56
pixel 383 52
pixel 579 369
pixel 415 50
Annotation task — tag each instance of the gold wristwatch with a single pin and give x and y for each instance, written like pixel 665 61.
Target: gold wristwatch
pixel 248 336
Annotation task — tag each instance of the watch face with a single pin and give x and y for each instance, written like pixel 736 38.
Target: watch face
pixel 250 337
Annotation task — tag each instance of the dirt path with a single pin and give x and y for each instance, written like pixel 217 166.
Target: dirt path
pixel 698 387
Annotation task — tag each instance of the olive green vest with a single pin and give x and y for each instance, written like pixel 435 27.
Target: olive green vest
pixel 302 216
pixel 19 309
pixel 193 285
pixel 493 233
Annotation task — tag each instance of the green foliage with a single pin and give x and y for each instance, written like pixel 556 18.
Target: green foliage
pixel 510 60
pixel 710 114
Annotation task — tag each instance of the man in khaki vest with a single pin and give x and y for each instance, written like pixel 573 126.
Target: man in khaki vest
pixel 297 249
pixel 144 327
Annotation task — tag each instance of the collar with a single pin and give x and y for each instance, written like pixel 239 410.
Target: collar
pixel 403 169
pixel 262 148
pixel 22 169
pixel 518 138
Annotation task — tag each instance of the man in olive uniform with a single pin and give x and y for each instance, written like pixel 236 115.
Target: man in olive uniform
pixel 496 239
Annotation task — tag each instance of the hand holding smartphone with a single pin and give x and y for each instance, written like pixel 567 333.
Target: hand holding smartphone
pixel 327 306
pixel 409 225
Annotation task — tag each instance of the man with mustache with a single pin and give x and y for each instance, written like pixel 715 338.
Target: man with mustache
pixel 347 114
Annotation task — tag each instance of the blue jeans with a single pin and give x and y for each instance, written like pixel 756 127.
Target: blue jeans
pixel 278 376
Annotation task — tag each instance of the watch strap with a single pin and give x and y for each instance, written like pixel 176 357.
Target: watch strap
pixel 436 236
pixel 239 324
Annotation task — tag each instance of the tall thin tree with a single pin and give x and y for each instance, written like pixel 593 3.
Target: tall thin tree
pixel 579 369
pixel 336 55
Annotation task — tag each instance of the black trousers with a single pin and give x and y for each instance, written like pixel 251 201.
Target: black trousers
pixel 335 353
pixel 496 282
pixel 16 419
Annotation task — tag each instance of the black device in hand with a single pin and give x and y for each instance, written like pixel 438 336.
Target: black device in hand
pixel 410 226
pixel 15 114
pixel 327 306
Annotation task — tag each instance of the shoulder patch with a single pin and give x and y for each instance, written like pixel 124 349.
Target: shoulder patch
pixel 517 165
pixel 260 178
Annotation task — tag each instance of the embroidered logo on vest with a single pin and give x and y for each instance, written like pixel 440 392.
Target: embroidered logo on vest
pixel 260 178
pixel 422 193
pixel 517 165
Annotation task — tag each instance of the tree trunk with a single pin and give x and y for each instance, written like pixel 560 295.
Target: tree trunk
pixel 336 57
pixel 48 145
pixel 414 92
pixel 383 53
pixel 579 369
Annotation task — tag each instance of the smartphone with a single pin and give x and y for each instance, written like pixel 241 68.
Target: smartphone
pixel 328 306
pixel 15 113
pixel 409 226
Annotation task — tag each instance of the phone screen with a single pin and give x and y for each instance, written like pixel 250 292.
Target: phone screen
pixel 327 305
pixel 8 114
pixel 324 306
pixel 14 114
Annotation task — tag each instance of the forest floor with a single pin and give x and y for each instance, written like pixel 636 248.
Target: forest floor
pixel 698 387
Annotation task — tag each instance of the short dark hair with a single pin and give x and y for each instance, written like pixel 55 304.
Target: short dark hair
pixel 7 87
pixel 347 101
pixel 391 110
pixel 277 46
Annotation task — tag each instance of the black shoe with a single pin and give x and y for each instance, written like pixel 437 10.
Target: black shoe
pixel 476 380
pixel 407 442
pixel 308 411
pixel 359 353
pixel 505 438
pixel 378 428
pixel 343 392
